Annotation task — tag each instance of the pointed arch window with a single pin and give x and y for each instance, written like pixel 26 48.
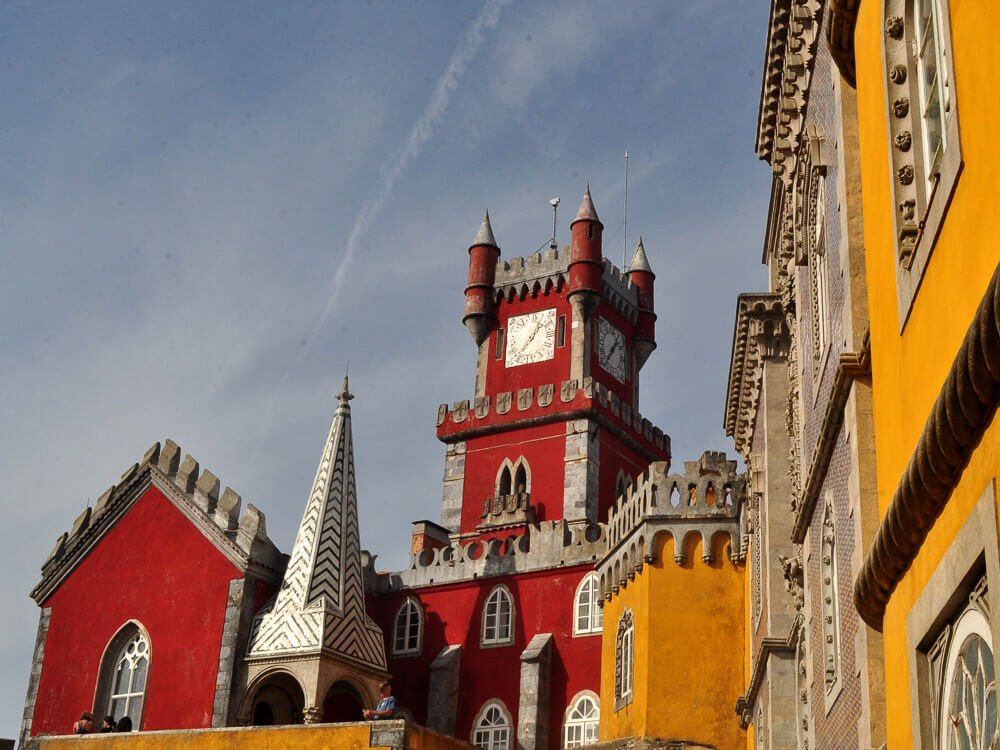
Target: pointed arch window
pixel 492 728
pixel 124 674
pixel 587 615
pixel 514 477
pixel 498 618
pixel 408 630
pixel 520 478
pixel 624 659
pixel 582 720
pixel 504 483
pixel 969 696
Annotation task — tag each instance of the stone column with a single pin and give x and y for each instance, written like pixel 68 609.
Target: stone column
pixel 442 690
pixel 533 711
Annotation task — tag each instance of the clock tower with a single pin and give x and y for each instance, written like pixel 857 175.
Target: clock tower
pixel 553 431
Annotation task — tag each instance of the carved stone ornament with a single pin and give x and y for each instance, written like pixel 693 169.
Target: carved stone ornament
pixel 482 406
pixel 461 411
pixel 907 209
pixel 903 140
pixel 894 27
pixel 442 414
pixel 905 174
pixel 901 107
pixel 545 393
pixel 897 73
pixel 568 390
pixel 791 569
pixel 503 402
pixel 524 396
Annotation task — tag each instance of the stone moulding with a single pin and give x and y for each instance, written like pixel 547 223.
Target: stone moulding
pixel 964 408
pixel 840 36
pixel 852 366
pixel 768 646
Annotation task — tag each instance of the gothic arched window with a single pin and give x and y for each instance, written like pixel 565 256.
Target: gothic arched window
pixel 624 659
pixel 587 615
pixel 583 718
pixel 408 628
pixel 125 673
pixel 520 478
pixel 498 618
pixel 492 727
pixel 504 482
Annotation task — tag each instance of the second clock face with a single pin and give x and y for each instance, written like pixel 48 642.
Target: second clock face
pixel 611 350
pixel 531 338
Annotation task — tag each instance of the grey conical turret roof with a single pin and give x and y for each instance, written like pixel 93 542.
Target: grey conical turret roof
pixel 639 261
pixel 587 212
pixel 485 234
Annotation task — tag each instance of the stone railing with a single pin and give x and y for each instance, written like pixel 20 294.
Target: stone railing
pixel 703 502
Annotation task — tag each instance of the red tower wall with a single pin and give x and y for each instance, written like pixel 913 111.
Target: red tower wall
pixel 544 603
pixel 156 567
pixel 499 377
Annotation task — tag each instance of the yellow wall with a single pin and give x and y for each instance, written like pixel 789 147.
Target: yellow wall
pixel 689 650
pixel 909 369
pixel 316 737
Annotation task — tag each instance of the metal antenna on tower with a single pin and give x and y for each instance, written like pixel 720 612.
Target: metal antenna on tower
pixel 555 209
pixel 625 230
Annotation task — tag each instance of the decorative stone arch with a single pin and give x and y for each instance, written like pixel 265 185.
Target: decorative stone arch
pixel 486 720
pixel 579 722
pixel 274 697
pixel 344 699
pixel 109 663
pixel 513 477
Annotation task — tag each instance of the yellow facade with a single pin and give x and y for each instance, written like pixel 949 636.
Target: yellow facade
pixel 689 652
pixel 359 736
pixel 909 367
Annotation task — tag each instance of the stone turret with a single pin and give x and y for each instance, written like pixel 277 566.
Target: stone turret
pixel 586 264
pixel 317 627
pixel 480 312
pixel 642 276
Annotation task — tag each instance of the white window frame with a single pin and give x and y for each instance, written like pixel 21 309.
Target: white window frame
pixel 495 735
pixel 132 633
pixel 624 659
pixel 586 726
pixel 403 641
pixel 492 631
pixel 586 606
pixel 971 623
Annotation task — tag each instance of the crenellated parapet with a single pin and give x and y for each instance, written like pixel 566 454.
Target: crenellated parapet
pixel 195 491
pixel 551 402
pixel 704 501
pixel 544 546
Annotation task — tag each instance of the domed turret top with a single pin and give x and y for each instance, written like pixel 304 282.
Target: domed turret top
pixel 485 234
pixel 587 211
pixel 639 261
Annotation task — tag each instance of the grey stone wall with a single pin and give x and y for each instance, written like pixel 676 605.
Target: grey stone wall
pixel 34 676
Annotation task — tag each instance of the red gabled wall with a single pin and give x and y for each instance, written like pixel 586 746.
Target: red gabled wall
pixel 543 603
pixel 156 567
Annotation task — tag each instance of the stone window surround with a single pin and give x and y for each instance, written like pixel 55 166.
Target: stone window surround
pixel 918 210
pixel 498 642
pixel 109 662
pixel 572 705
pixel 481 717
pixel 512 467
pixel 595 603
pixel 832 686
pixel 409 605
pixel 974 548
pixel 625 631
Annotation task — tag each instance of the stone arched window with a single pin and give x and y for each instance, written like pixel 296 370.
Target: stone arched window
pixel 492 730
pixel 967 677
pixel 830 605
pixel 498 618
pixel 624 659
pixel 124 674
pixel 582 720
pixel 622 484
pixel 513 477
pixel 923 130
pixel 408 628
pixel 587 615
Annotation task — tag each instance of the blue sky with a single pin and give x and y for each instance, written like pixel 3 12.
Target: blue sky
pixel 206 210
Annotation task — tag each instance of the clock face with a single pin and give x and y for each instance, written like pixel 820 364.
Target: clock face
pixel 531 338
pixel 611 350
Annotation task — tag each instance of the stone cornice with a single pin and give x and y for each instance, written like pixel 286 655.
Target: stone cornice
pixel 852 366
pixel 789 55
pixel 840 36
pixel 758 333
pixel 768 646
pixel 964 408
